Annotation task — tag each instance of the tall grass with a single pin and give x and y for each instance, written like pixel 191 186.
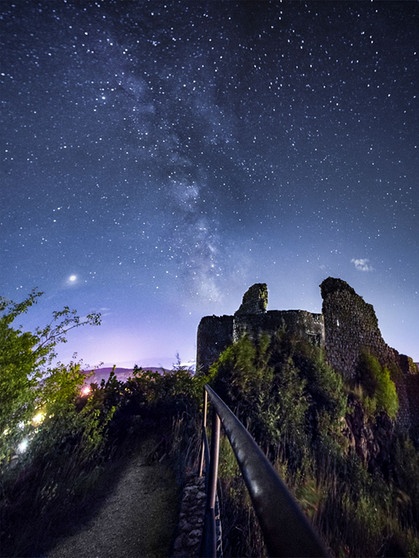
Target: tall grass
pixel 298 415
pixel 242 535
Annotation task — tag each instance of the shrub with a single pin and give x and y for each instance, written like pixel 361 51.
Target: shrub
pixel 381 393
pixel 27 382
pixel 295 404
pixel 243 379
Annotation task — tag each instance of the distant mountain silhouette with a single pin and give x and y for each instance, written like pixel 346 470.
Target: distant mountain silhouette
pixel 122 374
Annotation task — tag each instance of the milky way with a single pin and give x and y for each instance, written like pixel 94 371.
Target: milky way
pixel 159 158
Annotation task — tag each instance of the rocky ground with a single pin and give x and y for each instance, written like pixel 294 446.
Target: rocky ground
pixel 138 518
pixel 191 518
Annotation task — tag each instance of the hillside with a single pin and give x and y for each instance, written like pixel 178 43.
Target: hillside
pixel 334 408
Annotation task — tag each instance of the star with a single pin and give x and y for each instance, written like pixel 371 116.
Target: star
pixel 185 153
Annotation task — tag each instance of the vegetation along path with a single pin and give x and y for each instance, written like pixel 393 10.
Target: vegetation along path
pixel 138 518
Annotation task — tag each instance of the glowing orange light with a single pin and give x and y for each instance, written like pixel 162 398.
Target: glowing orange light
pixel 38 418
pixel 85 390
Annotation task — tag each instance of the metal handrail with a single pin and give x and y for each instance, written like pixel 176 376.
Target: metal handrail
pixel 285 528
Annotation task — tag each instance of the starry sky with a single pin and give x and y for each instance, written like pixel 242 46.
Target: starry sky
pixel 158 158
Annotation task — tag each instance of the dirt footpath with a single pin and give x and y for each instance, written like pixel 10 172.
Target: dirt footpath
pixel 138 519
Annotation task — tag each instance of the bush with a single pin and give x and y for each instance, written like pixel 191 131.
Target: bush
pixel 294 404
pixel 381 393
pixel 27 381
pixel 73 440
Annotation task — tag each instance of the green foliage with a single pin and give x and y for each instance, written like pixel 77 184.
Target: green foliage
pixel 324 384
pixel 32 391
pixel 386 394
pixel 295 405
pixel 25 379
pixel 242 376
pixel 381 393
pixel 48 432
pixel 241 531
pixel 19 373
pixel 282 390
pixel 71 438
pixel 80 440
pixel 271 405
pixel 76 425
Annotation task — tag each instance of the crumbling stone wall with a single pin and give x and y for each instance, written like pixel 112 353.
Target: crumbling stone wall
pixel 412 389
pixel 298 323
pixel 351 326
pixel 255 300
pixel 216 333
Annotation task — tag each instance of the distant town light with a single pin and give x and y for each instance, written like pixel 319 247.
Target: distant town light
pixel 38 418
pixel 85 390
pixel 23 446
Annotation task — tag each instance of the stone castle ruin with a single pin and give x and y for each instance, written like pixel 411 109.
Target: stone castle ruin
pixel 346 327
pixel 216 333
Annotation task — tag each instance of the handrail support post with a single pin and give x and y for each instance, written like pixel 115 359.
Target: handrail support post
pixel 209 540
pixel 215 453
pixel 204 429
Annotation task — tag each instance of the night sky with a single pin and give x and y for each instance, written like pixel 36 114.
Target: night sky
pixel 158 158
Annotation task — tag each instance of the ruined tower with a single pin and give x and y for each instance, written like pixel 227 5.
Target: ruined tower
pixel 216 333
